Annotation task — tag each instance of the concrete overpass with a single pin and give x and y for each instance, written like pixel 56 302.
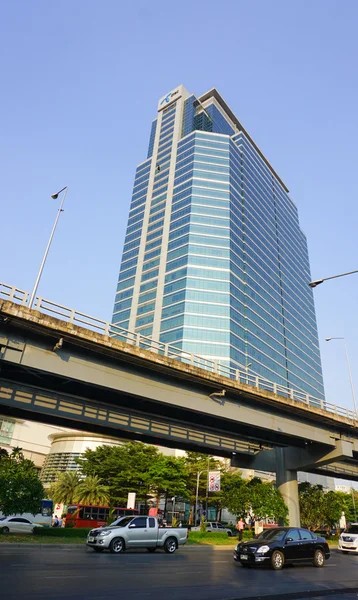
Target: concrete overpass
pixel 56 371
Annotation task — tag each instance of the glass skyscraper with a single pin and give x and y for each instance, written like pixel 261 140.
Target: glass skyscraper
pixel 214 260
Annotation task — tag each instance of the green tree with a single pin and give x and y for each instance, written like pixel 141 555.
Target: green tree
pixel 265 500
pixel 333 505
pixel 350 513
pixel 199 463
pixel 323 510
pixel 235 494
pixel 168 477
pixel 312 510
pixel 65 491
pixel 91 491
pixel 253 496
pixel 50 491
pixel 20 487
pixel 122 469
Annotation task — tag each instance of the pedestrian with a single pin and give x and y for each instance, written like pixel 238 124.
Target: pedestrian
pixel 60 522
pixel 240 526
pixel 55 522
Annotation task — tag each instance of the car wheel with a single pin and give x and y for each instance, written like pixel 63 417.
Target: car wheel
pixel 318 559
pixel 151 549
pixel 5 530
pixel 98 549
pixel 170 545
pixel 277 560
pixel 117 546
pixel 229 533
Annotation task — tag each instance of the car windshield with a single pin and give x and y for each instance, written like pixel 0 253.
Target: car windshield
pixel 263 535
pixel 272 534
pixel 352 529
pixel 3 518
pixel 122 522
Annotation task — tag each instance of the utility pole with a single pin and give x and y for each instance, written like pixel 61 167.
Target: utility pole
pixel 207 490
pixel 354 506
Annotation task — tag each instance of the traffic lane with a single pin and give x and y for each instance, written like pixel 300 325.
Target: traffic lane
pixel 197 573
pixel 339 596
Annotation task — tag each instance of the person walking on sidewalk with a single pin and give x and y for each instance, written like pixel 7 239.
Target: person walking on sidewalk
pixel 240 527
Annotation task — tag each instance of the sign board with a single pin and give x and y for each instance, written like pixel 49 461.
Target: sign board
pixel 214 481
pixel 172 97
pixel 58 510
pixel 342 488
pixel 131 500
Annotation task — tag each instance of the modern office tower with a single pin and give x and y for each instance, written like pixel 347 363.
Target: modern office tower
pixel 214 260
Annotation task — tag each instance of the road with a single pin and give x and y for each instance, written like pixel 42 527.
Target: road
pixel 192 573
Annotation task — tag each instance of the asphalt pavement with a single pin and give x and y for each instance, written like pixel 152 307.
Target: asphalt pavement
pixel 192 573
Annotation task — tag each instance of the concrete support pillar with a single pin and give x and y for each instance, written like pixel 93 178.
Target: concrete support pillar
pixel 286 481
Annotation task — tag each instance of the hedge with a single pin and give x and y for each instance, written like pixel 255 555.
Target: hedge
pixel 61 532
pixel 197 536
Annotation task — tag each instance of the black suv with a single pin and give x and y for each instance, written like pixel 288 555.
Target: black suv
pixel 283 545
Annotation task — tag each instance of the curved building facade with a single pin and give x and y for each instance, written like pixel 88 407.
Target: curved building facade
pixel 66 448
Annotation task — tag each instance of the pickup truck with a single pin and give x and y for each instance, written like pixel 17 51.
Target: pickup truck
pixel 136 532
pixel 214 527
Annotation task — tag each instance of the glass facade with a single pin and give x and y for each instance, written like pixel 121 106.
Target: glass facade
pixel 215 261
pixel 58 463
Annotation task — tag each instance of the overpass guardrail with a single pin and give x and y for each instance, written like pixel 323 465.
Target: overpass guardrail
pixel 70 315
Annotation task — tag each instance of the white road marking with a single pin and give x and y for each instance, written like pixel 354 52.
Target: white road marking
pixel 65 577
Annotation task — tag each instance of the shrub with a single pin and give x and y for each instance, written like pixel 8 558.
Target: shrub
pixel 198 536
pixel 61 532
pixel 202 524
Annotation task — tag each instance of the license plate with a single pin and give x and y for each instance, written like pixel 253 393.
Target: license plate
pixel 243 557
pixel 91 539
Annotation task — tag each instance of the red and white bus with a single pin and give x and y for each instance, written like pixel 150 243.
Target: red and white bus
pixel 79 515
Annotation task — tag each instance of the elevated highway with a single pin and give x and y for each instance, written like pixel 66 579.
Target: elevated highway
pixel 56 371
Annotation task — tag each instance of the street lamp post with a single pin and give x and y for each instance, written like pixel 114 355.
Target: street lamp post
pixel 207 489
pixel 247 365
pixel 349 370
pixel 173 508
pixel 314 284
pixel 197 495
pixel 354 506
pixel 60 210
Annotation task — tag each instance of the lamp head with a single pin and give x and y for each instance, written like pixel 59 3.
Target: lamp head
pixel 314 284
pixel 328 339
pixel 55 196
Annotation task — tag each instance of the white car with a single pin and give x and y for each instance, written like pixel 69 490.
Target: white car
pixel 17 525
pixel 348 540
pixel 214 527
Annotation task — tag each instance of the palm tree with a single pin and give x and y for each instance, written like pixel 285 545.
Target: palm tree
pixel 66 488
pixel 91 491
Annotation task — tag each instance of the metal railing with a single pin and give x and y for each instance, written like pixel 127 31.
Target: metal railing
pixel 70 315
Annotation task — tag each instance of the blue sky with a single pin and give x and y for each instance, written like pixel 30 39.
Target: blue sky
pixel 80 84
